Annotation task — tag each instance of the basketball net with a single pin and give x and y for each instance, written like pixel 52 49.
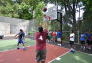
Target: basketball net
pixel 47 18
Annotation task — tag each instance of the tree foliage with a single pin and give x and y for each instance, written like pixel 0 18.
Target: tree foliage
pixel 87 16
pixel 23 11
pixel 18 8
pixel 39 13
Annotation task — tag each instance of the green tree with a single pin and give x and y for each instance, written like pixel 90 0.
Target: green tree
pixel 23 11
pixel 87 17
pixel 39 13
pixel 18 8
pixel 6 10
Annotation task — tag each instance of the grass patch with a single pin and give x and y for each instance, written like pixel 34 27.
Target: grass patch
pixel 11 44
pixel 78 57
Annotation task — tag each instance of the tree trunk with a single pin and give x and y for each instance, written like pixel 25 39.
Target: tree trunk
pixel 74 16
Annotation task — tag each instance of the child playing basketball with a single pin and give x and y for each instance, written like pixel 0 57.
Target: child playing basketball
pixel 20 37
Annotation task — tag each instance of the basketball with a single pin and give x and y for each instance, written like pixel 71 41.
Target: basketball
pixel 45 9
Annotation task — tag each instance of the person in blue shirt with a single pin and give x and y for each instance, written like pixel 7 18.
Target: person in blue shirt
pixel 20 36
pixel 59 36
pixel 82 40
pixel 89 40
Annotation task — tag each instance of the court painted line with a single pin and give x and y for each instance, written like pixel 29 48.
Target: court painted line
pixel 58 58
pixel 8 50
pixel 90 54
pixel 13 49
pixel 85 53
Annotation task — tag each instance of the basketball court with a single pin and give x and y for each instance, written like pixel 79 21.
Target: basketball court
pixel 28 56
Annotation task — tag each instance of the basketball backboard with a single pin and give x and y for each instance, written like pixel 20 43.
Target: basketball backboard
pixel 51 13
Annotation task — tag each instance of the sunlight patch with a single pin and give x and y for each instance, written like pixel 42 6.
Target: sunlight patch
pixel 80 59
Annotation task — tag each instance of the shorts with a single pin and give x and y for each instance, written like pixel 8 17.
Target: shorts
pixel 48 37
pixel 82 42
pixel 89 42
pixel 21 41
pixel 54 37
pixel 40 55
pixel 59 39
pixel 71 42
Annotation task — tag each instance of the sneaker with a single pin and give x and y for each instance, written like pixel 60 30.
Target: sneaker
pixel 24 49
pixel 84 48
pixel 89 48
pixel 18 48
pixel 72 50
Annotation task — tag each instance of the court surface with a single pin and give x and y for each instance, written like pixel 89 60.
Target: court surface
pixel 28 55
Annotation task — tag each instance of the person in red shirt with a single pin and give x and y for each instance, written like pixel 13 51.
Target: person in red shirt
pixel 54 36
pixel 40 38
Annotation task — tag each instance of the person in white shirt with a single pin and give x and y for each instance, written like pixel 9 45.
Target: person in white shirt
pixel 72 39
